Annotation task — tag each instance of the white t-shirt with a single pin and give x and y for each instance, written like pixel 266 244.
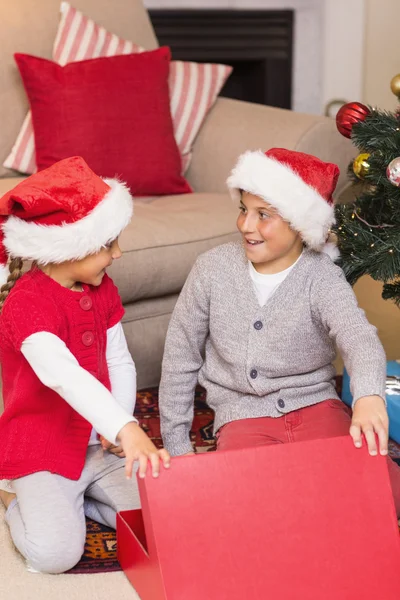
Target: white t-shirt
pixel 265 284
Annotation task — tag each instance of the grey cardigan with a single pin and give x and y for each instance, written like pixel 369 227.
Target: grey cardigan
pixel 262 361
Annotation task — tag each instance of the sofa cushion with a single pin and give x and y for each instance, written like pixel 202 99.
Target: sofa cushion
pixel 27 26
pixel 194 87
pixel 165 237
pixel 114 112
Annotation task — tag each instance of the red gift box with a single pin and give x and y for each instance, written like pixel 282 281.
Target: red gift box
pixel 306 521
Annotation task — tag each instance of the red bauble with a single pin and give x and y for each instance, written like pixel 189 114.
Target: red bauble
pixel 353 112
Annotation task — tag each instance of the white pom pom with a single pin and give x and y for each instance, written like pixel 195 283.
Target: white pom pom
pixel 331 250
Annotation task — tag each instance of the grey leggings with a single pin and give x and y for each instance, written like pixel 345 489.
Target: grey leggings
pixel 47 518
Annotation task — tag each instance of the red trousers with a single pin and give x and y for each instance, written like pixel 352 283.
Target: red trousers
pixel 326 419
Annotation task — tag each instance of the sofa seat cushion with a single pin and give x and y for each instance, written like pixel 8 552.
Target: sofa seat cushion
pixel 165 237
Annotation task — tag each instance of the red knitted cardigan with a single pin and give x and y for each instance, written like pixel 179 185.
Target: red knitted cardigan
pixel 39 431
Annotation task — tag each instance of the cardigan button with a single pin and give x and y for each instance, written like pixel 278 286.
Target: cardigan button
pixel 86 303
pixel 258 325
pixel 281 403
pixel 88 338
pixel 253 373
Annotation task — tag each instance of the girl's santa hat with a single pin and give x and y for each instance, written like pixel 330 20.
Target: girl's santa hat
pixel 298 185
pixel 65 212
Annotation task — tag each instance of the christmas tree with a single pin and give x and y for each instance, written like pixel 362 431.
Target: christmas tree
pixel 368 230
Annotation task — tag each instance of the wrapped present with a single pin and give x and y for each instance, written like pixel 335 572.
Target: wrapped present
pixel 312 520
pixel 392 396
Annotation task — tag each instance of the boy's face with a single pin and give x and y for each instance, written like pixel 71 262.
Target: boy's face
pixel 91 270
pixel 270 243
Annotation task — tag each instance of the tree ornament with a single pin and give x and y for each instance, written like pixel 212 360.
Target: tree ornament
pixel 348 115
pixel 395 85
pixel 393 171
pixel 361 165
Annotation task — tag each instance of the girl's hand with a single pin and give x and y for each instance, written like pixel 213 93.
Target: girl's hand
pixel 138 447
pixel 369 418
pixel 106 445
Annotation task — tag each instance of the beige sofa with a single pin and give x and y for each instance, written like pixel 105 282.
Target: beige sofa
pixel 167 233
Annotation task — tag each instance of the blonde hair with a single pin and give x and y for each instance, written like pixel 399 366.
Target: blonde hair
pixel 15 268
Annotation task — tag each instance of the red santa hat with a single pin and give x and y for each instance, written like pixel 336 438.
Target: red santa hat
pixel 65 212
pixel 298 185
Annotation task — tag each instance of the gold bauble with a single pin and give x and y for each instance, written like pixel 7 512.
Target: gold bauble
pixel 395 85
pixel 361 165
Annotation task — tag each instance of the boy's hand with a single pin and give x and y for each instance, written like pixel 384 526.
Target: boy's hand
pixel 138 447
pixel 369 418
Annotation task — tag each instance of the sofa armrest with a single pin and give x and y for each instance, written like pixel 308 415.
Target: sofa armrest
pixel 233 126
pixel 8 183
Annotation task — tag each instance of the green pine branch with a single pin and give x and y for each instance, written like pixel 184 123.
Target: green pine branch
pixel 391 291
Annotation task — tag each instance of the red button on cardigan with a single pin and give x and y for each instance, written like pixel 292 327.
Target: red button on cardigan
pixel 88 338
pixel 86 303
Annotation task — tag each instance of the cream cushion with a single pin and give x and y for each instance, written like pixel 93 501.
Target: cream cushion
pixel 165 237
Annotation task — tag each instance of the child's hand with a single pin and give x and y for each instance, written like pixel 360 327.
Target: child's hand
pixel 138 447
pixel 369 418
pixel 106 445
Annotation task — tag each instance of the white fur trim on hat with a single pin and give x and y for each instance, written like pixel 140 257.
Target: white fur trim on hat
pixel 71 241
pixel 4 273
pixel 278 185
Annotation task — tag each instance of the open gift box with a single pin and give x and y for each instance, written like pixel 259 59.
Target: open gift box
pixel 306 521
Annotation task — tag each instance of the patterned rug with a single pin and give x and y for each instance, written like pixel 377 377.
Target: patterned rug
pixel 100 554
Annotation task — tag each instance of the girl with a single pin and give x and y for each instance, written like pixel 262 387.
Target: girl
pixel 256 323
pixel 67 373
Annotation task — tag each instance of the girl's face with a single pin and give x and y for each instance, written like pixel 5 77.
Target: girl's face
pixel 91 270
pixel 270 243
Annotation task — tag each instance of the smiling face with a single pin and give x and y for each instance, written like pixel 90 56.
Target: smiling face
pixel 269 241
pixel 89 270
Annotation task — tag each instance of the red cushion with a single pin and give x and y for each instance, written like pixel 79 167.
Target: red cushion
pixel 114 112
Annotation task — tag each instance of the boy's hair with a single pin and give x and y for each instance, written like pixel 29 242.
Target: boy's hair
pixel 15 268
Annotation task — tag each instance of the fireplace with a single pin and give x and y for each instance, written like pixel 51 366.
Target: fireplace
pixel 257 43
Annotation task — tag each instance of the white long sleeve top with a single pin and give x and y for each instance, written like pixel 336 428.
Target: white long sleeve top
pixel 58 368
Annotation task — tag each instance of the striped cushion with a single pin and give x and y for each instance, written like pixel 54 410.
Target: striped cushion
pixel 194 87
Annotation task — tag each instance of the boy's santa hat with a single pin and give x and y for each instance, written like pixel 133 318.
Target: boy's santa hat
pixel 298 185
pixel 65 212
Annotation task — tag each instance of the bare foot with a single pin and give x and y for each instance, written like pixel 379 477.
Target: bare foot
pixel 6 498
